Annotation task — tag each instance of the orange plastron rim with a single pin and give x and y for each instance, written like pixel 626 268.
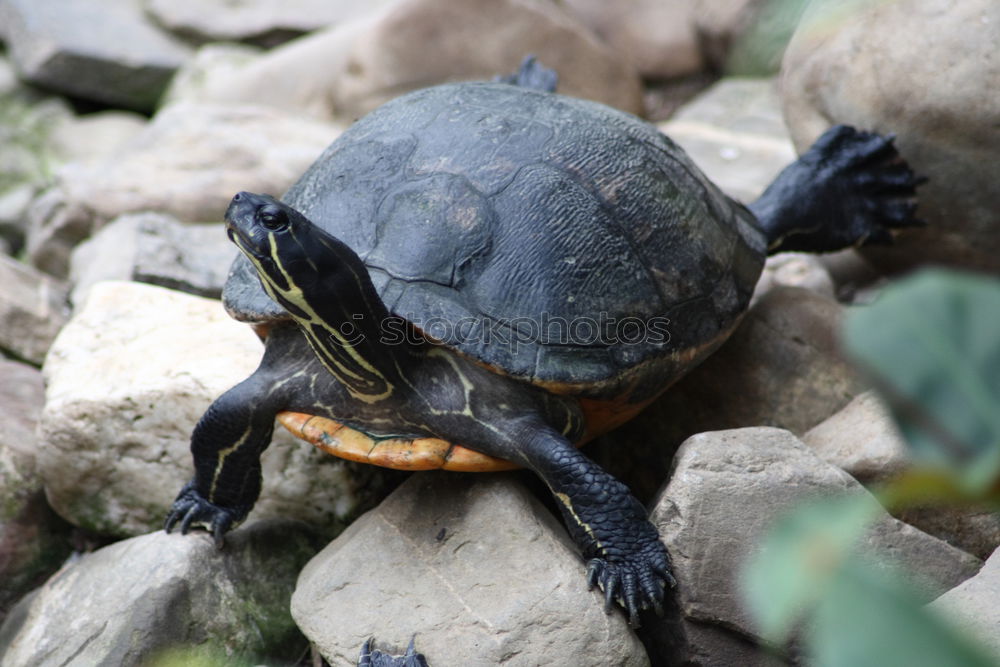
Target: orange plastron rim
pixel 400 453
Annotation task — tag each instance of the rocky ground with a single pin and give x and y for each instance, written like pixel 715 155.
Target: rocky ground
pixel 126 126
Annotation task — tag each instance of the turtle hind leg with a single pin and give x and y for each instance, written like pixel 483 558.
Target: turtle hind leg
pixel 374 658
pixel 851 188
pixel 532 74
pixel 624 554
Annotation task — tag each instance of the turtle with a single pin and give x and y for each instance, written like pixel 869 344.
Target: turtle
pixel 486 275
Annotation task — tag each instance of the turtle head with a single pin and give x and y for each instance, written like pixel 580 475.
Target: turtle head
pixel 261 226
pixel 279 241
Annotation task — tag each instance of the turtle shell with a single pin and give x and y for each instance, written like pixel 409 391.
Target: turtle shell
pixel 553 239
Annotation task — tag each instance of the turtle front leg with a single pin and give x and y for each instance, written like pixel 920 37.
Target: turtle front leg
pixel 624 554
pixel 233 433
pixel 226 446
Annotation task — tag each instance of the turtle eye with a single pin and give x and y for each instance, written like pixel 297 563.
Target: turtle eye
pixel 273 218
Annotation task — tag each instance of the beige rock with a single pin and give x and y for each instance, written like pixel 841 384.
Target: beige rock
pixel 862 440
pixel 474 567
pixel 657 37
pixel 188 162
pixel 933 89
pixel 127 380
pixel 352 68
pixel 794 269
pixel 33 307
pixel 729 486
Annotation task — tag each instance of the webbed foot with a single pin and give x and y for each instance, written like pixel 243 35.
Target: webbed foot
pixel 374 658
pixel 191 509
pixel 851 188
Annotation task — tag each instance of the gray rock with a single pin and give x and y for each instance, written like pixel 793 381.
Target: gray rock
pixel 735 133
pixel 131 602
pixel 657 37
pixel 33 540
pixel 471 564
pixel 103 50
pixel 972 605
pixel 933 89
pixel 127 379
pixel 94 137
pixel 188 162
pixel 781 367
pixel 27 121
pixel 863 440
pixel 265 22
pixel 33 307
pixel 157 249
pixel 354 67
pixel 726 490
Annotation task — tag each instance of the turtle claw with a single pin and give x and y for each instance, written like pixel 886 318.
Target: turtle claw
pixel 373 658
pixel 192 510
pixel 637 582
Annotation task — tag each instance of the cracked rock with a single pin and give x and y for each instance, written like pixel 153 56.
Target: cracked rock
pixel 475 567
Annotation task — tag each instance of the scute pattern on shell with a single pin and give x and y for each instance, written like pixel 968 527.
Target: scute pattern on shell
pixel 481 208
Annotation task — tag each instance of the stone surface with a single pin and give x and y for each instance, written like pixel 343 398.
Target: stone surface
pixel 726 490
pixel 972 605
pixel 794 269
pixel 352 68
pixel 188 162
pixel 472 565
pixel 781 367
pixel 127 379
pixel 33 541
pixel 658 38
pixel 33 308
pixel 933 90
pixel 94 137
pixel 265 22
pixel 131 602
pixel 863 440
pixel 103 50
pixel 157 249
pixel 735 133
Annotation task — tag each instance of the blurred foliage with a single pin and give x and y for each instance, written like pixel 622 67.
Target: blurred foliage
pixel 758 51
pixel 931 343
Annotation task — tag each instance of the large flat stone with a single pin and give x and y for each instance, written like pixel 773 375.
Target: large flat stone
pixel 472 565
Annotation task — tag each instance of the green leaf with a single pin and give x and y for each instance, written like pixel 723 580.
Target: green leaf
pixel 871 618
pixel 932 345
pixel 799 560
